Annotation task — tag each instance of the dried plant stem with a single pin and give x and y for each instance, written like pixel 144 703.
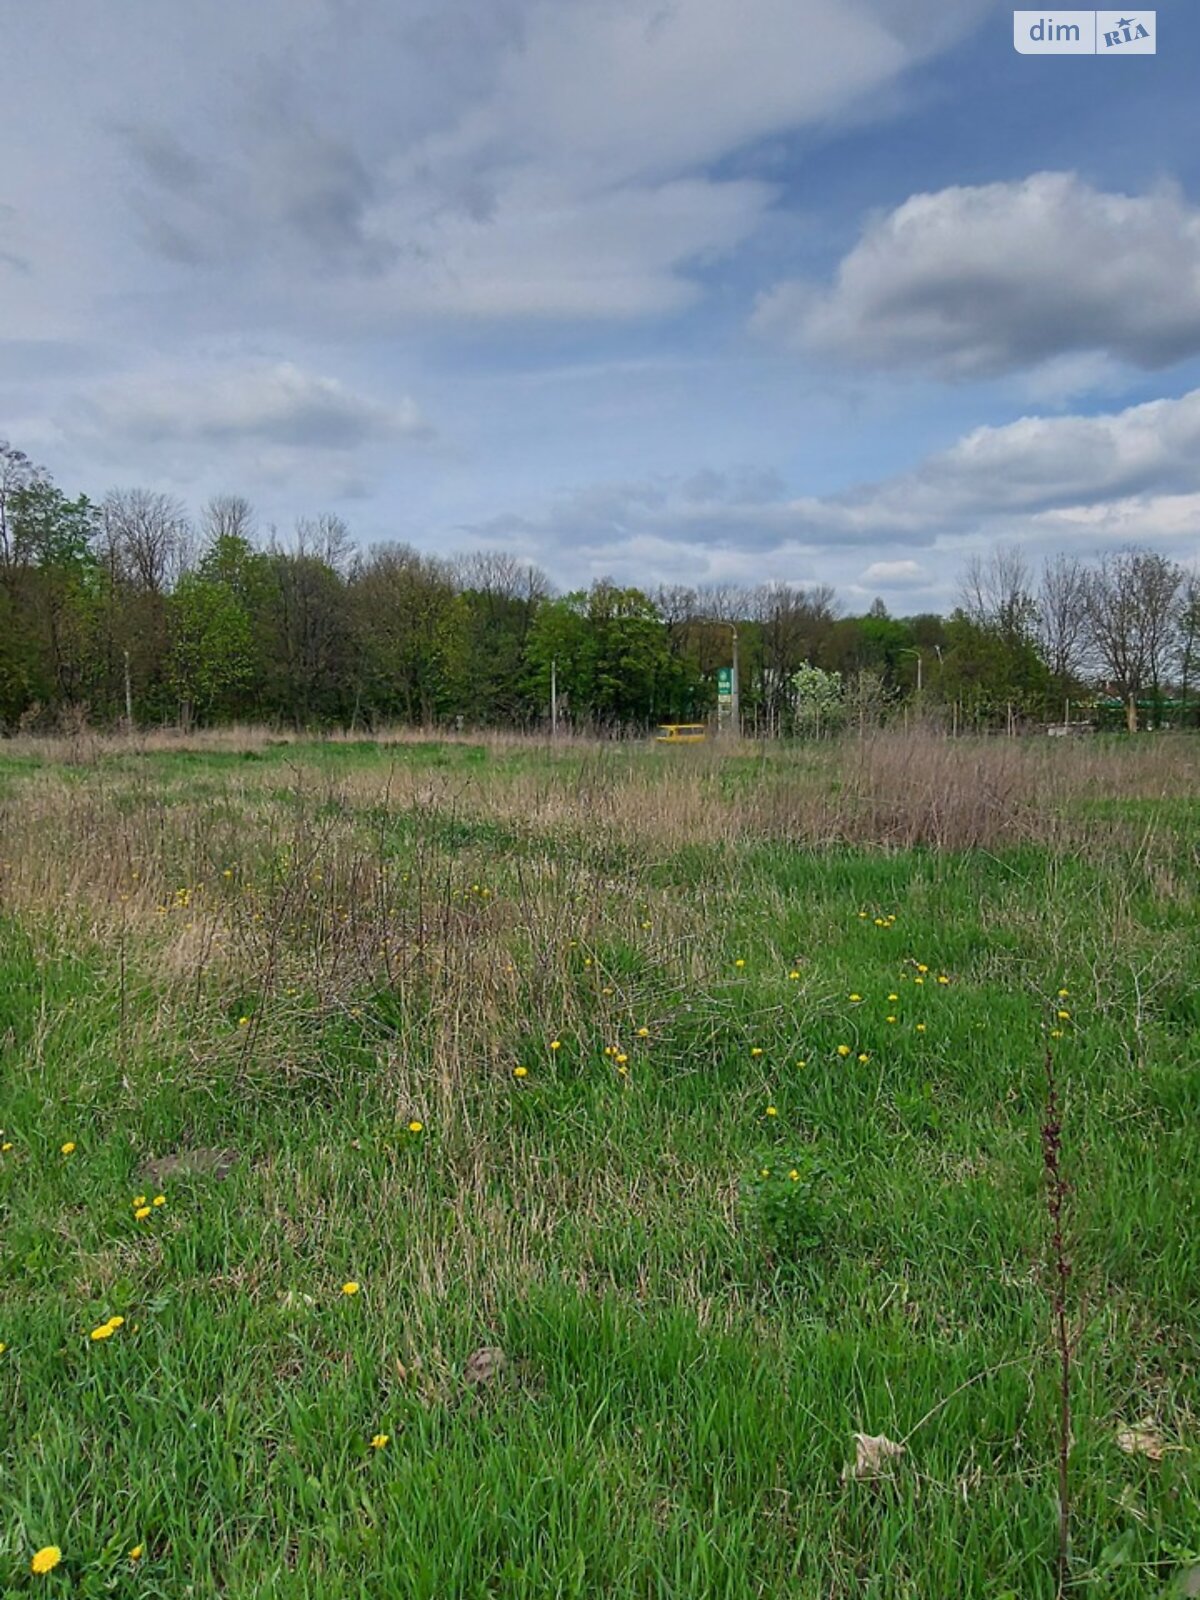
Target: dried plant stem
pixel 1056 1194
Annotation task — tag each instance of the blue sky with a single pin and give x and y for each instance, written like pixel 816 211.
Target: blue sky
pixel 817 290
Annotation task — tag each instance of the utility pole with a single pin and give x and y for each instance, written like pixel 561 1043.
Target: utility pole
pixel 554 697
pixel 734 698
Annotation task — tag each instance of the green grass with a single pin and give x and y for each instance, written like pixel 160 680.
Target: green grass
pixel 691 1344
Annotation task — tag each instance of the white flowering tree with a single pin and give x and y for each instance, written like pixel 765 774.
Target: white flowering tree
pixel 818 705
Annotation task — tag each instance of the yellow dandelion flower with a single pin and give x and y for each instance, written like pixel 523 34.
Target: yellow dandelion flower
pixel 643 1033
pixel 159 1200
pixel 864 1055
pixel 104 1331
pixel 739 962
pixel 379 1440
pixel 416 1126
pixel 862 916
pixel 772 1111
pixel 1063 993
pixel 520 1072
pixel 1056 1033
pixel 555 1044
pixel 880 923
pixel 793 974
pixel 141 1213
pixel 943 978
pixel 243 1022
pixel 68 1149
pixel 116 1322
pixel 802 1063
pixel 920 1027
pixel 854 999
pixel 889 1019
pixel 46 1559
pixel 6 1146
pixel 139 1199
pixel 621 1060
pixel 1064 1016
pixel 3 1347
pixel 843 1049
pixel 137 1552
pixel 918 980
pixel 764 1172
pixel 756 1050
pixel 794 1175
pixel 921 967
pixel 893 997
pixel 350 1288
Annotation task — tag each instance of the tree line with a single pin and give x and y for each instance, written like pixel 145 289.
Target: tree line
pixel 129 608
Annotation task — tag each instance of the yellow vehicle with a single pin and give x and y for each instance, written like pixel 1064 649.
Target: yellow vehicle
pixel 682 733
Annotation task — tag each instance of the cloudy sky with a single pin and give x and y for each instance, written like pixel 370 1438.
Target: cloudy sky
pixel 664 290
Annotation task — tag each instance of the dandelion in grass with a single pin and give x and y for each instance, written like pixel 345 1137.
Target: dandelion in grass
pixel 104 1331
pixel 756 1051
pixel 843 1050
pixel 116 1322
pixel 855 999
pixel 893 997
pixel 943 979
pixel 739 963
pixel 137 1552
pixel 379 1440
pixel 47 1558
pixel 643 1033
pixel 864 1055
pixel 159 1200
pixel 6 1147
pixel 922 968
pixel 520 1072
pixel 141 1213
pixel 772 1111
pixel 1064 1016
pixel 802 1063
pixel 350 1288
pixel 243 1022
pixel 920 1027
pixel 556 1044
pixel 68 1149
pixel 1063 993
pixel 3 1347
pixel 416 1127
pixel 622 1060
pixel 793 975
pixel 139 1200
pixel 764 1172
pixel 1056 1033
pixel 794 1176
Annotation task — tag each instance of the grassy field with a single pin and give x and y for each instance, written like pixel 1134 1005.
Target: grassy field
pixel 708 1088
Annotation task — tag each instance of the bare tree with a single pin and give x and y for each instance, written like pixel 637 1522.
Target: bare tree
pixel 147 537
pixel 1062 617
pixel 227 516
pixel 325 538
pixel 1131 609
pixel 995 593
pixel 501 577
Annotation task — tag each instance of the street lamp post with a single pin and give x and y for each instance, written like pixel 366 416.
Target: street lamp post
pixel 909 651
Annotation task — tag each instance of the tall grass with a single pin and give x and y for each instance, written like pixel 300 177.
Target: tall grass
pixel 296 982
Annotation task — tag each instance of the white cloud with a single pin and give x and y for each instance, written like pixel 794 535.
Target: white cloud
pixel 272 403
pixel 898 573
pixel 970 282
pixel 1083 483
